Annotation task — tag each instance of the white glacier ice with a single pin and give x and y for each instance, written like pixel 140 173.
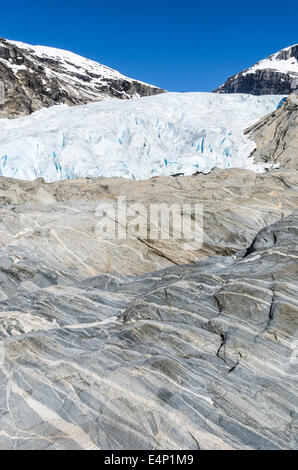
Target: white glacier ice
pixel 140 138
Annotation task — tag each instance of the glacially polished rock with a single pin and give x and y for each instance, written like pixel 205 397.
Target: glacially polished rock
pixel 60 218
pixel 194 356
pixel 276 136
pixel 200 356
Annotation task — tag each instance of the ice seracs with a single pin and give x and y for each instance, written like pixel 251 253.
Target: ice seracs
pixel 139 138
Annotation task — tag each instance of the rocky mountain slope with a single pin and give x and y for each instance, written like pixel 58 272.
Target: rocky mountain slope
pixel 276 136
pixel 36 76
pixel 275 75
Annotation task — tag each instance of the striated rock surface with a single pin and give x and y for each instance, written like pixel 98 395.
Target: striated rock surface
pixel 202 356
pixel 275 75
pixel 60 218
pixel 276 136
pixel 37 76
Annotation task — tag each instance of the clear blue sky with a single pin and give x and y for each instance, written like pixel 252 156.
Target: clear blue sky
pixel 190 45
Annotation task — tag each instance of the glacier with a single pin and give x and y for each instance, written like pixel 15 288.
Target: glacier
pixel 144 137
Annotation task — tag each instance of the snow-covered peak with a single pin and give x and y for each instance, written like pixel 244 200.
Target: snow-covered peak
pixel 284 61
pixel 277 74
pixel 71 61
pixel 40 76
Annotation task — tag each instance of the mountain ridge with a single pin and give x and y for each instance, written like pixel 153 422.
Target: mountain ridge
pixel 38 76
pixel 275 75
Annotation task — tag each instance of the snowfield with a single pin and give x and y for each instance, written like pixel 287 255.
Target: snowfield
pixel 140 138
pixel 69 62
pixel 277 63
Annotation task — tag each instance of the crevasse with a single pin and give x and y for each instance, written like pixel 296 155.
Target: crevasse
pixel 140 138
